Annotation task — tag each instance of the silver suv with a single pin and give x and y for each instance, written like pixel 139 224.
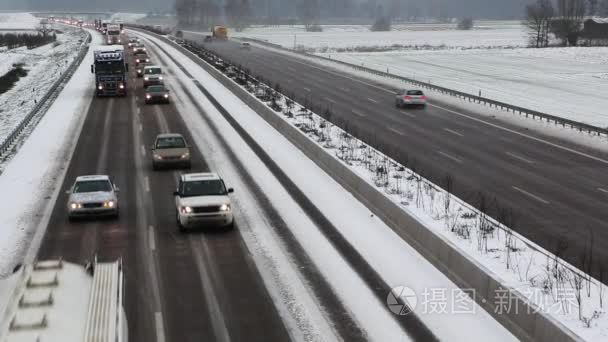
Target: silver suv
pixel 92 196
pixel 170 150
pixel 201 199
pixel 153 74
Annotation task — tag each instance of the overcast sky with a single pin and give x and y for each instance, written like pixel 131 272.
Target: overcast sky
pixel 455 8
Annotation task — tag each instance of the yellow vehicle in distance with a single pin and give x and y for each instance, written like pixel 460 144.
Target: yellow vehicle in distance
pixel 220 32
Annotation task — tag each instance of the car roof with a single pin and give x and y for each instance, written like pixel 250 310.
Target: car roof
pixel 169 135
pixel 92 178
pixel 200 176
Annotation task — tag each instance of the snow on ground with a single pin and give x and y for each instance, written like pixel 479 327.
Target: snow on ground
pixel 32 175
pixel 396 262
pixel 18 21
pixel 412 36
pixel 44 64
pixel 565 82
pixel 523 267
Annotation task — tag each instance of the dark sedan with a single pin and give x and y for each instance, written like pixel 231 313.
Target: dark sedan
pixel 157 94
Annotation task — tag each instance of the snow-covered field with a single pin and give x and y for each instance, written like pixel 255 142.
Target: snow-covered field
pixel 44 64
pixel 491 59
pixel 566 82
pixel 18 21
pixel 490 34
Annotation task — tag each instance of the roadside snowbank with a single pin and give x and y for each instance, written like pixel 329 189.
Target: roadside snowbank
pixel 33 175
pixel 44 64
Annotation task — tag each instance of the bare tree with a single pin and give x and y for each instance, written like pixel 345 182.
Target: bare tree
pixel 538 16
pixel 568 24
pixel 309 13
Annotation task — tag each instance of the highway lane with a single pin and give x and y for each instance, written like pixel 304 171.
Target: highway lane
pixel 187 287
pixel 556 193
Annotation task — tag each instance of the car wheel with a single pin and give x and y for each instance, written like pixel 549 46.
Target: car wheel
pixel 397 104
pixel 188 165
pixel 154 166
pixel 71 218
pixel 117 214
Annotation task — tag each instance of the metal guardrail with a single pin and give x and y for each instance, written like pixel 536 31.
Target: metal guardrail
pixel 494 223
pixel 51 94
pixel 583 127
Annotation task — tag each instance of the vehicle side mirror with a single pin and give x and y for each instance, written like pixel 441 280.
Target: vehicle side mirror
pixel 230 190
pixel 92 69
pixel 68 192
pixel 175 193
pixel 116 189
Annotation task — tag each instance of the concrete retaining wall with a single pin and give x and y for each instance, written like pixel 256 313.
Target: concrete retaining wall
pixel 467 273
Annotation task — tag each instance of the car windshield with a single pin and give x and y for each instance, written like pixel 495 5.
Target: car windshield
pixel 170 142
pixel 212 187
pixel 415 92
pixel 155 89
pixel 152 71
pixel 92 186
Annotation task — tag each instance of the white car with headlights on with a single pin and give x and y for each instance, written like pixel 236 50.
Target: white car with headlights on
pixel 92 196
pixel 153 75
pixel 201 200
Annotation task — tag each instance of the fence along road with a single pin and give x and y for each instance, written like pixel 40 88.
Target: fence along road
pixel 552 186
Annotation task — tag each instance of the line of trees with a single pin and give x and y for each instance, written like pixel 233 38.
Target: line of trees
pixel 561 18
pixel 15 40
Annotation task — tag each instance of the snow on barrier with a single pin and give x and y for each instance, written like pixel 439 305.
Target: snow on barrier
pixel 583 127
pixel 45 102
pixel 464 243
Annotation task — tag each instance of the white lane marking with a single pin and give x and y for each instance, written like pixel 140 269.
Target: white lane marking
pixel 289 80
pixel 516 156
pixel 307 89
pixel 458 160
pixel 160 327
pixel 564 148
pixel 143 150
pixel 372 100
pixel 291 69
pixel 396 131
pixel 151 238
pixel 201 254
pixel 137 98
pixel 141 127
pixel 330 100
pixel 138 110
pixel 466 116
pixel 407 113
pixel 345 89
pixel 453 132
pixel 147 183
pixel 531 195
pixel 357 112
pixel 603 190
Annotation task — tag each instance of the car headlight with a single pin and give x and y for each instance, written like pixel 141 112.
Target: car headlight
pixel 109 204
pixel 156 156
pixel 160 78
pixel 186 210
pixel 148 96
pixel 225 207
pixel 147 59
pixel 100 87
pixel 146 78
pixel 185 155
pixel 75 205
pixel 139 71
pixel 166 96
pixel 137 60
pixel 122 86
